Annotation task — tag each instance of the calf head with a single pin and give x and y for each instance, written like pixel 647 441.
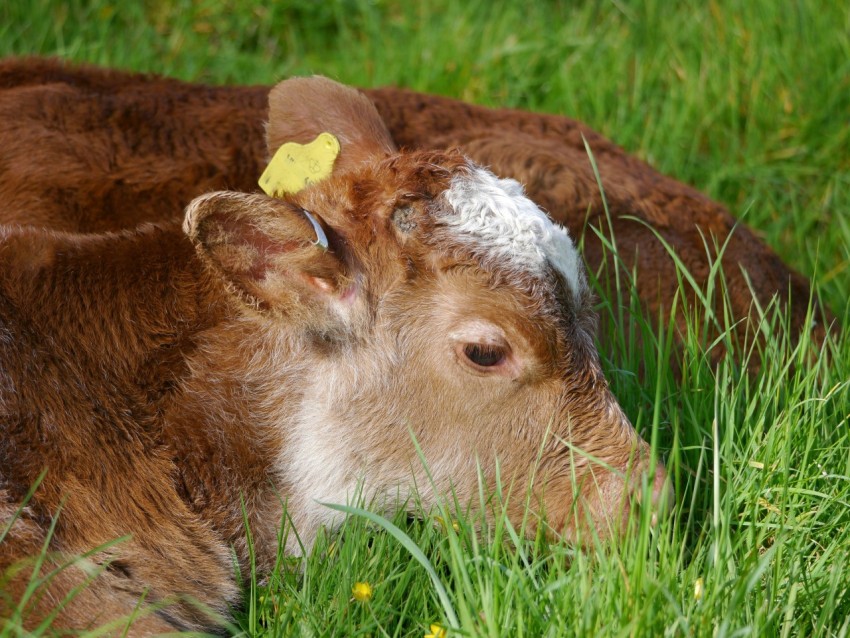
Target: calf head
pixel 434 302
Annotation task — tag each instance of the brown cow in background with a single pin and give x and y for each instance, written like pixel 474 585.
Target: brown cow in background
pixel 86 149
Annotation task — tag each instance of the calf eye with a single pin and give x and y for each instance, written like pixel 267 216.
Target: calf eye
pixel 483 355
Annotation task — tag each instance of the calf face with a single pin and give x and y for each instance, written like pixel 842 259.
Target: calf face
pixel 448 310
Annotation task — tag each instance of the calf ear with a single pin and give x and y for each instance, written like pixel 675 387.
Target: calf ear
pixel 273 256
pixel 301 108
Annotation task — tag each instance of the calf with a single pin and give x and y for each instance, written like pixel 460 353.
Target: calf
pixel 87 149
pixel 261 351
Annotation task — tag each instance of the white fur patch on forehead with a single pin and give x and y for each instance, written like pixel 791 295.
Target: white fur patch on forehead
pixel 496 218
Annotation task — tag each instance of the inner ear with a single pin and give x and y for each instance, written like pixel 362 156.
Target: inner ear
pixel 302 108
pixel 273 254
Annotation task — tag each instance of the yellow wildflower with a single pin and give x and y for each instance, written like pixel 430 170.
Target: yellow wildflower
pixel 436 632
pixel 442 523
pixel 699 589
pixel 362 592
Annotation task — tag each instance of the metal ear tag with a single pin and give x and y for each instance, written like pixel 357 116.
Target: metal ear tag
pixel 321 238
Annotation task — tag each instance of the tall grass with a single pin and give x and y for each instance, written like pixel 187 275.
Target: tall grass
pixel 750 102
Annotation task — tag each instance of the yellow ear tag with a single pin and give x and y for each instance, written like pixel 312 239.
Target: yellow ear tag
pixel 297 166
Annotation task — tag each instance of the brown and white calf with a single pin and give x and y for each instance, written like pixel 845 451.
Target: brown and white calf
pixel 167 376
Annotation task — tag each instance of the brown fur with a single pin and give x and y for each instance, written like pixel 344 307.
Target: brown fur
pixel 172 376
pixel 86 149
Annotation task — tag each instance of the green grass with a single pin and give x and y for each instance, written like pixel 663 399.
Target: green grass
pixel 748 101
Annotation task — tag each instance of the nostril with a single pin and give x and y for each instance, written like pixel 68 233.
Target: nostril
pixel 662 494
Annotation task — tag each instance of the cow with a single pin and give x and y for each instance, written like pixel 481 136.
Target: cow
pixel 165 385
pixel 87 149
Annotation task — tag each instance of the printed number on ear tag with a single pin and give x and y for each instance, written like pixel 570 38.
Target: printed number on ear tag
pixel 297 166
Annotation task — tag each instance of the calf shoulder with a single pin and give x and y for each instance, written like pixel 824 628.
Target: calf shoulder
pixel 95 333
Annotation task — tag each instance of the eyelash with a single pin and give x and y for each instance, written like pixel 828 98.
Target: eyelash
pixel 484 356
